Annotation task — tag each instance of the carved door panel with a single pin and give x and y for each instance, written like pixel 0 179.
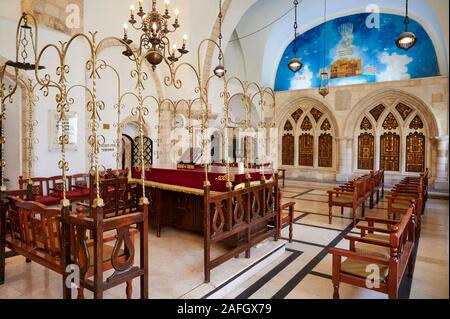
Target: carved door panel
pixel 325 150
pixel 287 150
pixel 415 152
pixel 306 150
pixel 366 153
pixel 390 152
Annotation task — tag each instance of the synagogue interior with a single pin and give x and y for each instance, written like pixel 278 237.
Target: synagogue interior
pixel 224 149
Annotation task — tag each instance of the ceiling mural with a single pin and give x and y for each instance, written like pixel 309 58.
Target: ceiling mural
pixel 358 52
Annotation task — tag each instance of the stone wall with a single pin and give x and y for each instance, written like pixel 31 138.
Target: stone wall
pixel 346 104
pixel 65 16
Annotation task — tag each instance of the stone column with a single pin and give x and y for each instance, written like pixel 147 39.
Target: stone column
pixel 441 181
pixel 342 173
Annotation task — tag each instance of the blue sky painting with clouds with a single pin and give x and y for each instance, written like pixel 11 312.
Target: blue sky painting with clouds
pixel 380 57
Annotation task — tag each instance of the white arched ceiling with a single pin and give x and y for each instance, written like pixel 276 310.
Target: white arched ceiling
pixel 263 50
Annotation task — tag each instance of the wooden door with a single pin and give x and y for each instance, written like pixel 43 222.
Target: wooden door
pixel 325 150
pixel 366 152
pixel 287 153
pixel 415 152
pixel 390 152
pixel 306 150
pixel 127 151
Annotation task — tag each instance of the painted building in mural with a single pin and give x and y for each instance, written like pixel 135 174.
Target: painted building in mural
pixel 358 49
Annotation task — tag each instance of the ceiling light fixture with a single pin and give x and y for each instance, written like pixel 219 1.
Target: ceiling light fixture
pixel 295 64
pixel 219 70
pixel 155 28
pixel 407 39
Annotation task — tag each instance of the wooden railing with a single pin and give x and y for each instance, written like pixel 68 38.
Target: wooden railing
pixel 244 217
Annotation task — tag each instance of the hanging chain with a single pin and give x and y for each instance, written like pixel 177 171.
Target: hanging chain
pixel 220 30
pixel 295 26
pixel 406 17
pixel 325 33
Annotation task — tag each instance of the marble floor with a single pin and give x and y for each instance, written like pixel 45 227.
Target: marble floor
pixel 302 270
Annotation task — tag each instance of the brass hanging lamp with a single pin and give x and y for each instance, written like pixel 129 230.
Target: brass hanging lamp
pixel 295 64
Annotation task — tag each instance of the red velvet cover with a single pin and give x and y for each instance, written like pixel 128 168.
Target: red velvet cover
pixel 193 178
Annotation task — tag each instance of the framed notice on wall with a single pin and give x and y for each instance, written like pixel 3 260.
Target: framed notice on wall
pixel 56 126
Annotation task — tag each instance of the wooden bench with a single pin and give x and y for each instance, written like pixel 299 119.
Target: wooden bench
pixel 56 238
pixel 386 251
pixel 346 197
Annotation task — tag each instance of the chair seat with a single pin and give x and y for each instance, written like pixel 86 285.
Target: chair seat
pixel 343 199
pixel 373 250
pixel 358 268
pixel 47 200
pixel 401 205
pixel 74 194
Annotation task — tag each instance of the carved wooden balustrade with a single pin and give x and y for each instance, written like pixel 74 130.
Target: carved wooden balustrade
pixel 120 216
pixel 248 215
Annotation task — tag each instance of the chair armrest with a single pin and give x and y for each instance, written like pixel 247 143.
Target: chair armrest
pixel 382 220
pixel 375 229
pixel 368 240
pixel 353 255
pixel 287 205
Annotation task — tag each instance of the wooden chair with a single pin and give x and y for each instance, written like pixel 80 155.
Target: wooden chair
pixel 344 197
pixel 285 217
pixel 389 255
pixel 40 190
pixel 78 187
pixel 56 238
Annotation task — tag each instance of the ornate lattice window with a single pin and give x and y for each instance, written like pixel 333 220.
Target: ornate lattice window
pixel 377 111
pixel 365 124
pixel 404 110
pixel 316 114
pixel 415 152
pixel 306 124
pixel 297 114
pixel 148 151
pixel 416 123
pixel 390 123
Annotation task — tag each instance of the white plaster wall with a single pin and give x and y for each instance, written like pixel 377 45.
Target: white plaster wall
pixel 47 165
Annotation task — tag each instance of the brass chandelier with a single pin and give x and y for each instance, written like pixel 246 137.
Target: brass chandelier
pixel 155 28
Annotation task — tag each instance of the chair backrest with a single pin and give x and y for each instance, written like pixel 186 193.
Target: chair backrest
pixel 35 225
pixel 79 180
pixel 55 183
pixel 39 186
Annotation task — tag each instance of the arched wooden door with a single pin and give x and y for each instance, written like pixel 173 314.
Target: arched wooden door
pixel 127 151
pixel 390 151
pixel 287 152
pixel 306 150
pixel 415 152
pixel 325 150
pixel 366 151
